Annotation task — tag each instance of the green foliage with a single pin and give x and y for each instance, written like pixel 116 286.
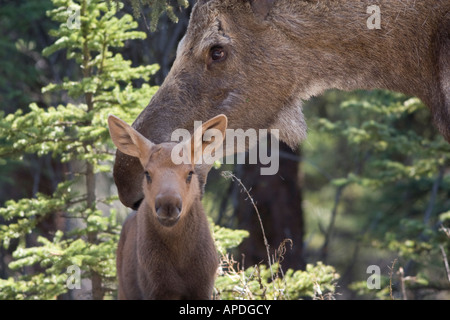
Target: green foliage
pixel 74 133
pixel 157 8
pixel 20 60
pixel 271 283
pixel 392 167
pixel 267 282
pixel 226 239
pixel 379 137
pixel 24 215
pixel 360 287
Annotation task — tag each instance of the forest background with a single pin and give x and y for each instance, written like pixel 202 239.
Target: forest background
pixel 359 211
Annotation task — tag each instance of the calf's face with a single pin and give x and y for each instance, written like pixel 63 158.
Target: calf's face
pixel 170 185
pixel 169 189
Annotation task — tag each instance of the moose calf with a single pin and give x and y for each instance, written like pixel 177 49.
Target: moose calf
pixel 165 250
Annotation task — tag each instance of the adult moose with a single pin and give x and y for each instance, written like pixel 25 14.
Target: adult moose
pixel 256 60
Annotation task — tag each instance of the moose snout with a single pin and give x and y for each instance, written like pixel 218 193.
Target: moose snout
pixel 168 209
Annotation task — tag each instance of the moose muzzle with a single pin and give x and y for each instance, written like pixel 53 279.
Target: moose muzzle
pixel 168 209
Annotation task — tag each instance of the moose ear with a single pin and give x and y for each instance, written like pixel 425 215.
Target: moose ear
pixel 202 140
pixel 127 139
pixel 262 7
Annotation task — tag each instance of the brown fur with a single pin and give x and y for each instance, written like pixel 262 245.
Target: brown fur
pixel 284 51
pixel 165 250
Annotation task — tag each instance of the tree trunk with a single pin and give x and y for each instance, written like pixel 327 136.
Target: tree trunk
pixel 279 201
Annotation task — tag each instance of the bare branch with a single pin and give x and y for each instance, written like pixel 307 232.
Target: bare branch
pixel 329 231
pixel 391 272
pixel 444 255
pixel 230 175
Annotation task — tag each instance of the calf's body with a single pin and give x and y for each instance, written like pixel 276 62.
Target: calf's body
pixel 166 264
pixel 166 250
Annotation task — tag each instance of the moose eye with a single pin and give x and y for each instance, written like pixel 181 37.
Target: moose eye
pixel 218 53
pixel 189 177
pixel 147 176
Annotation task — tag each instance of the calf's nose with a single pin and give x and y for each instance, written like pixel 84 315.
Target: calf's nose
pixel 168 209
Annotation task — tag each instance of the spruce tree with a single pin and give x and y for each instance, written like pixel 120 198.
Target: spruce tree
pixel 76 132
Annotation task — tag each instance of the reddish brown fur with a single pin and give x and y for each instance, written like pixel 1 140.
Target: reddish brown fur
pixel 280 52
pixel 161 255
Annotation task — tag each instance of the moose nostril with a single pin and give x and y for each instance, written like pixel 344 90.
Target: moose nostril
pixel 158 202
pixel 169 206
pixel 178 204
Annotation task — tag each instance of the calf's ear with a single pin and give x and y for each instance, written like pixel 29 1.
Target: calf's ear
pixel 201 141
pixel 128 140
